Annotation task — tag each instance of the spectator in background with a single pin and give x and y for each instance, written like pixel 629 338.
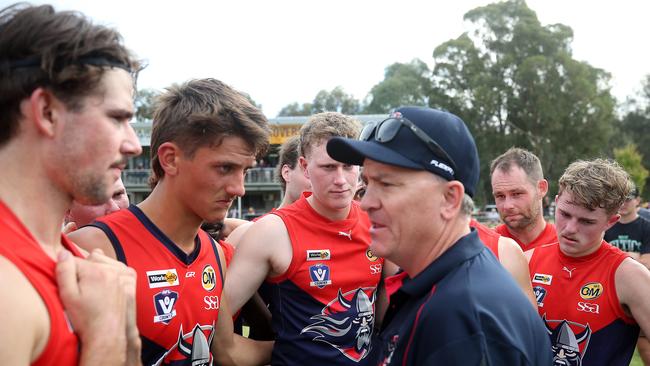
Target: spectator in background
pixel 519 187
pixel 631 234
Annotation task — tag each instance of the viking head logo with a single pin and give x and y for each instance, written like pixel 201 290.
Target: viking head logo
pixel 192 347
pixel 346 323
pixel 566 344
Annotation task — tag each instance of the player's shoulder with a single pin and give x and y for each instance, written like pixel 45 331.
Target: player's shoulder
pixel 92 237
pixel 23 314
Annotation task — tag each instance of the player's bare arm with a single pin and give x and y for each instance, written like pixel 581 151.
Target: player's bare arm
pixel 24 333
pixel 264 251
pixel 232 349
pixel 512 258
pixel 90 237
pixel 633 290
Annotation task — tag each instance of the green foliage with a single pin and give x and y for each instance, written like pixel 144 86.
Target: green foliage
pixel 403 84
pixel 515 83
pixel 145 104
pixel 630 159
pixel 635 125
pixel 336 100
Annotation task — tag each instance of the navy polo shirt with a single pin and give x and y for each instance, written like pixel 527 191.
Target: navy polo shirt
pixel 463 309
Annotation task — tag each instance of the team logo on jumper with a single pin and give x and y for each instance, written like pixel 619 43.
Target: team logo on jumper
pixel 591 290
pixel 346 323
pixel 320 275
pixel 208 278
pixel 191 348
pixel 164 303
pixel 568 347
pixel 544 279
pixel 540 294
pixel 162 278
pixel 318 255
pixel 588 308
pixel 371 257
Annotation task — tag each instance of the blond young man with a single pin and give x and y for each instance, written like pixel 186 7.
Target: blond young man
pixel 314 253
pixel 592 296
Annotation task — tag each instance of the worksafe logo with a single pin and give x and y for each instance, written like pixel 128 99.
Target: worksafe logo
pixel 591 290
pixel 318 255
pixel 544 279
pixel 162 278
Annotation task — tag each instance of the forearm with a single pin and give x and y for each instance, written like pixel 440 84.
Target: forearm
pixel 244 351
pixel 106 348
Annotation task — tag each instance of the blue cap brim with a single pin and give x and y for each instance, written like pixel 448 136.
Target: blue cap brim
pixel 354 152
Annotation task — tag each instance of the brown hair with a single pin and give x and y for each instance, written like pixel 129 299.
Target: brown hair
pixel 62 52
pixel 323 126
pixel 596 184
pixel 288 156
pixel 202 113
pixel 524 159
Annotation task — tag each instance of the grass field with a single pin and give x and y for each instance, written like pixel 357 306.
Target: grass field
pixel 636 360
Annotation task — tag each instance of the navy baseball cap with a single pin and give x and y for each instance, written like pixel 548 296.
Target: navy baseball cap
pixel 416 138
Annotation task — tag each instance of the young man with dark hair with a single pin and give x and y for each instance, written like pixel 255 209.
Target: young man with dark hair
pixel 205 137
pixel 456 304
pixel 592 296
pixel 519 187
pixel 66 99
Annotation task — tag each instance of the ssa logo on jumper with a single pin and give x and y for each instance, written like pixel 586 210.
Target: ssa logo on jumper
pixel 162 278
pixel 164 303
pixel 320 275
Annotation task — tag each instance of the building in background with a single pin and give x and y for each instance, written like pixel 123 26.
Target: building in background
pixel 262 190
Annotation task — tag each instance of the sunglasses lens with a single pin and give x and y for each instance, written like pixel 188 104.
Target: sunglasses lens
pixel 388 130
pixel 367 131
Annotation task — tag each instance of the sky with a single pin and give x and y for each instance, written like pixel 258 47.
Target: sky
pixel 280 52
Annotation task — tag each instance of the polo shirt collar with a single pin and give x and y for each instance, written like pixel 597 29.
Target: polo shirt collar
pixel 465 248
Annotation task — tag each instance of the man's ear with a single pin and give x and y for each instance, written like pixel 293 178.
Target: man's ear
pixel 303 165
pixel 169 155
pixel 43 110
pixel 284 172
pixel 453 193
pixel 542 187
pixel 612 220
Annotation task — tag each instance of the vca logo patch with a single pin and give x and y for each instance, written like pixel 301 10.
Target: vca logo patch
pixel 164 303
pixel 320 275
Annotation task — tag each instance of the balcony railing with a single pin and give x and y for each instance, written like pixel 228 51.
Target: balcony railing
pixel 140 177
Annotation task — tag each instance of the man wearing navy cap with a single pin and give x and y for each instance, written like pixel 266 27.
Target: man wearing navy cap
pixel 457 305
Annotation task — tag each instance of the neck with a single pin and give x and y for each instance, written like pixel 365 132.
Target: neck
pixel 531 232
pixel 172 217
pixel 333 214
pixel 32 196
pixel 626 219
pixel 444 239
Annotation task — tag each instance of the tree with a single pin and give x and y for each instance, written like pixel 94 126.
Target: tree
pixel 336 100
pixel 145 104
pixel 515 83
pixel 403 84
pixel 630 159
pixel 635 125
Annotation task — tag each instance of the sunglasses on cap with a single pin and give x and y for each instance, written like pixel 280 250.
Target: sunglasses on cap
pixel 386 130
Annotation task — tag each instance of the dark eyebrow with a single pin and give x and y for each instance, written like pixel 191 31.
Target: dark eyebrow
pixel 121 113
